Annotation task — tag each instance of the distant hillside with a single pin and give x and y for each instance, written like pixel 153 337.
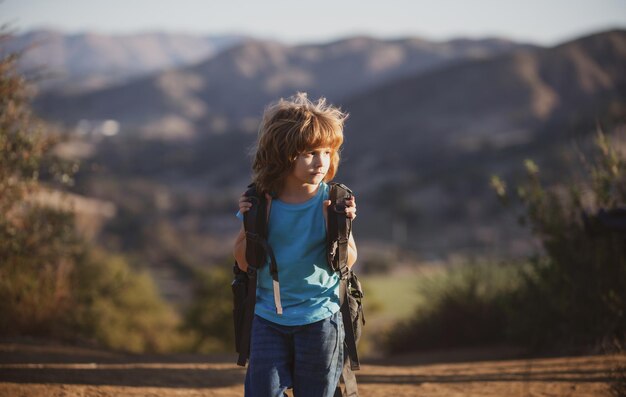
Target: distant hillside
pixel 420 150
pixel 420 147
pixel 77 62
pixel 228 91
pixel 493 102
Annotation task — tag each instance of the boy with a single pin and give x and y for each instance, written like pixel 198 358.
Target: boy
pixel 297 332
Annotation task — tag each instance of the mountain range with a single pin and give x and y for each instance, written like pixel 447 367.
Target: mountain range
pixel 229 90
pixel 429 123
pixel 422 148
pixel 86 61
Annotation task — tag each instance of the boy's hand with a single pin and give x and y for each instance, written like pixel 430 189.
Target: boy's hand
pixel 350 208
pixel 244 204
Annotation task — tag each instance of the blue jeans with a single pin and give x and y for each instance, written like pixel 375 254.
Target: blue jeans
pixel 307 358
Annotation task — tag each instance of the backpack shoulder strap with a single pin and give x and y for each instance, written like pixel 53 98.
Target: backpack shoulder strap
pixel 257 247
pixel 338 235
pixel 255 225
pixel 257 250
pixel 339 229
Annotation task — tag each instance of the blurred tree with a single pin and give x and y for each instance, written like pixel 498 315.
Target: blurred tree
pixel 210 315
pixel 572 295
pixel 51 282
pixel 576 293
pixel 119 307
pixel 37 243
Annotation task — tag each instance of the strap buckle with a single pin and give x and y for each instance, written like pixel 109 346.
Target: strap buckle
pixel 339 208
pixel 251 271
pixel 252 236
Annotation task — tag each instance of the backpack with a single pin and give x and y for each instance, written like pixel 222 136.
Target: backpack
pixel 258 250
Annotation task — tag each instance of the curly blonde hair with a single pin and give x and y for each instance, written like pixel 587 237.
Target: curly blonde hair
pixel 291 127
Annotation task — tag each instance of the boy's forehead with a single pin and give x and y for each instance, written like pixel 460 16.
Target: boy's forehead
pixel 319 147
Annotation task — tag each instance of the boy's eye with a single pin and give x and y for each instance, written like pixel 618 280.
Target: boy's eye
pixel 317 151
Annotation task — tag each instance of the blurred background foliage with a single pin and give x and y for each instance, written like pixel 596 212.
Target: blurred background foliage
pixel 54 283
pixel 209 316
pixel 571 295
pixel 37 244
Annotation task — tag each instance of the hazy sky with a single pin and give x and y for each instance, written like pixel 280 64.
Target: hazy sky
pixel 540 21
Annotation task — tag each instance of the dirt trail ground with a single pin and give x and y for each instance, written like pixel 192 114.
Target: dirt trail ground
pixel 48 370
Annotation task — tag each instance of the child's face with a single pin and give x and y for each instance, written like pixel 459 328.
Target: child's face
pixel 311 166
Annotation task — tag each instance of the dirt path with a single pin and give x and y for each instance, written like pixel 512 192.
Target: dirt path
pixel 32 369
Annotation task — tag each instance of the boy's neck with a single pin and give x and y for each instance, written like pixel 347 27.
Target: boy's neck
pixel 295 193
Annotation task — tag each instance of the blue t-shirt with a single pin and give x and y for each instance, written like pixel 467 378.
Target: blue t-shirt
pixel 309 289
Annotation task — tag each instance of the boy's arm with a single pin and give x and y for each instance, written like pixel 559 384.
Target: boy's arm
pixel 239 251
pixel 351 213
pixel 352 254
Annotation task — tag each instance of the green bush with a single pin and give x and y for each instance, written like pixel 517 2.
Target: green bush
pixel 209 316
pixel 466 305
pixel 36 256
pixel 120 308
pixel 575 292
